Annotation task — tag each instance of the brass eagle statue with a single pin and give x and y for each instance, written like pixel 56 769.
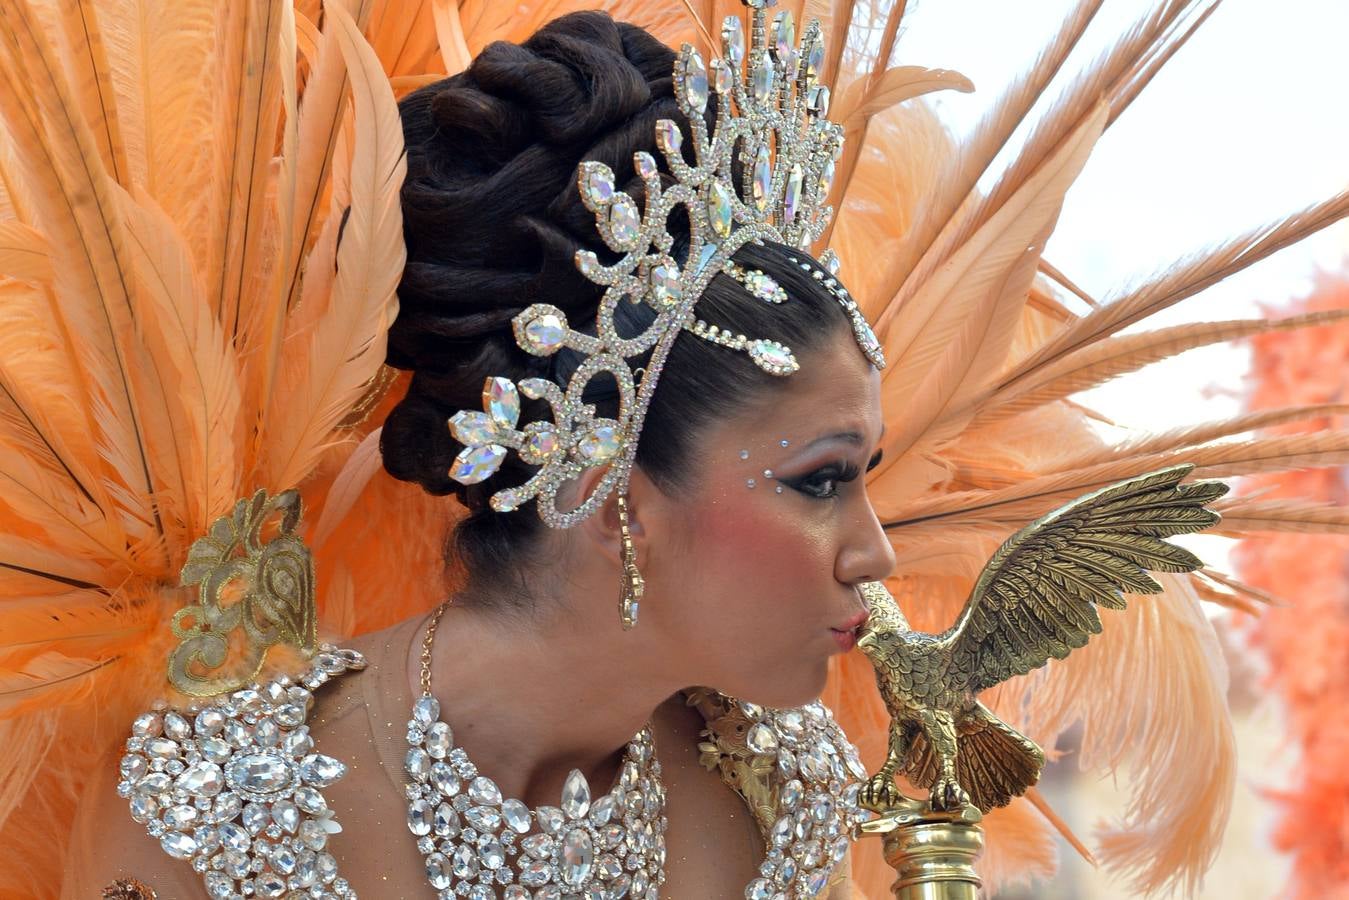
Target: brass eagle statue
pixel 1035 599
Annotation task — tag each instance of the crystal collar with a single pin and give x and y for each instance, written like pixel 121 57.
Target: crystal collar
pixel 478 843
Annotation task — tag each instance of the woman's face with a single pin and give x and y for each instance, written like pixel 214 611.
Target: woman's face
pixel 755 584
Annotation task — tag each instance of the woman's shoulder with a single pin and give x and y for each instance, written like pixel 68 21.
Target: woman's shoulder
pixel 802 741
pixel 108 846
pixel 193 791
pixel 796 771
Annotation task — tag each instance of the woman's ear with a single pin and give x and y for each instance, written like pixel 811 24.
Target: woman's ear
pixel 603 528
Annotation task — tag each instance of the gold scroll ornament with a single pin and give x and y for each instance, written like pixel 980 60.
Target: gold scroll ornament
pixel 253 593
pixel 1035 599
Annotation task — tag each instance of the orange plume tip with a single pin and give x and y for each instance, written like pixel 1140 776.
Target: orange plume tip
pixel 1037 800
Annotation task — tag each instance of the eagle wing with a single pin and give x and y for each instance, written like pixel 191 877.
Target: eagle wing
pixel 1037 596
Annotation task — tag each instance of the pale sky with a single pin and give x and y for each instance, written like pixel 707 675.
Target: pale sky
pixel 1248 122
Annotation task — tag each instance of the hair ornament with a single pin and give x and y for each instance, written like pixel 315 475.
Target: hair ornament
pixel 769 126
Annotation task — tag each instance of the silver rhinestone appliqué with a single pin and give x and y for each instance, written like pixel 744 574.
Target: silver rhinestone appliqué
pixel 820 775
pixel 235 787
pixel 481 845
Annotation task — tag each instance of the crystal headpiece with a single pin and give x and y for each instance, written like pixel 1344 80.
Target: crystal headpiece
pixel 770 127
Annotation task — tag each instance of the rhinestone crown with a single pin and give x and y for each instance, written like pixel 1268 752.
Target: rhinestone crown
pixel 769 126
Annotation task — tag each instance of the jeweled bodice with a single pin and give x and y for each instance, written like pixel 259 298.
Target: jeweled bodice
pixel 234 787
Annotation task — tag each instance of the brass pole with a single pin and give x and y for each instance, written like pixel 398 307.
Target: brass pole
pixel 932 853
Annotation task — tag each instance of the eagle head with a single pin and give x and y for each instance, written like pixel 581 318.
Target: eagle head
pixel 885 624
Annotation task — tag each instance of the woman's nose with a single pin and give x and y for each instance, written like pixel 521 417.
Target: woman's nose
pixel 866 554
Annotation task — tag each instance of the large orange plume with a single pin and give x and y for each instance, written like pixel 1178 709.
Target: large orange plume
pixel 182 320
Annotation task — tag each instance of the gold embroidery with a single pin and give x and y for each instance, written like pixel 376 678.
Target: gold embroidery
pixel 754 776
pixel 128 889
pixel 274 584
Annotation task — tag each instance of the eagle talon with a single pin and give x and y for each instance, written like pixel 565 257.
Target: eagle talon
pixel 879 794
pixel 947 794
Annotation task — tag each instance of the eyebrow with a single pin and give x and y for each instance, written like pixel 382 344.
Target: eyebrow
pixel 848 437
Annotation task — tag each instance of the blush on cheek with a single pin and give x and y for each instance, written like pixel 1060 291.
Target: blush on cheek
pixel 773 554
pixel 770 570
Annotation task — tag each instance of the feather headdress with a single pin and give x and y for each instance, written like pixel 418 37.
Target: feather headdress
pixel 199 243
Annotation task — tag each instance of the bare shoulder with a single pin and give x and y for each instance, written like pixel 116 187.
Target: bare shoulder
pixel 107 845
pixel 842 887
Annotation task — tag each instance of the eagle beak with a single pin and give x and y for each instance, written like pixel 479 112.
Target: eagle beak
pixel 866 641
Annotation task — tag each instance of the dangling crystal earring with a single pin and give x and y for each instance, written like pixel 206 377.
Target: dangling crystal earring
pixel 633 585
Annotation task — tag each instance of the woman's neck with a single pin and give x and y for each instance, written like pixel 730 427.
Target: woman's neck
pixel 529 703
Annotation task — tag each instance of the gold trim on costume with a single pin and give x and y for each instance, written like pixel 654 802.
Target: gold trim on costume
pixel 265 588
pixel 128 889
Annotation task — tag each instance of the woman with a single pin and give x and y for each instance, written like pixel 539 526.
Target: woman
pixel 744 515
pixel 191 195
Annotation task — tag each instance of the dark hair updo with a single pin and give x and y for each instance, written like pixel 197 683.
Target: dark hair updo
pixel 492 221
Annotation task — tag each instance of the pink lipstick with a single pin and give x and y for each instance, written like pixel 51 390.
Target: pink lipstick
pixel 845 635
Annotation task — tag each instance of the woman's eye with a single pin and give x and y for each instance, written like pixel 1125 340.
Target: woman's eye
pixel 821 487
pixel 823 484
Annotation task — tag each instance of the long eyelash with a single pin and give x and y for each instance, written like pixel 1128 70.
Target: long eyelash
pixel 837 474
pixel 875 460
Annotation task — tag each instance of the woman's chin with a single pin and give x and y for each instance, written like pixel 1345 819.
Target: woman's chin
pixel 797 686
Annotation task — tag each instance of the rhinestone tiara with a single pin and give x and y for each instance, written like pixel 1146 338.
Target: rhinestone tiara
pixel 778 139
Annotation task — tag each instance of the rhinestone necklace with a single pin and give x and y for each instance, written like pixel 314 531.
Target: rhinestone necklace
pixel 480 845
